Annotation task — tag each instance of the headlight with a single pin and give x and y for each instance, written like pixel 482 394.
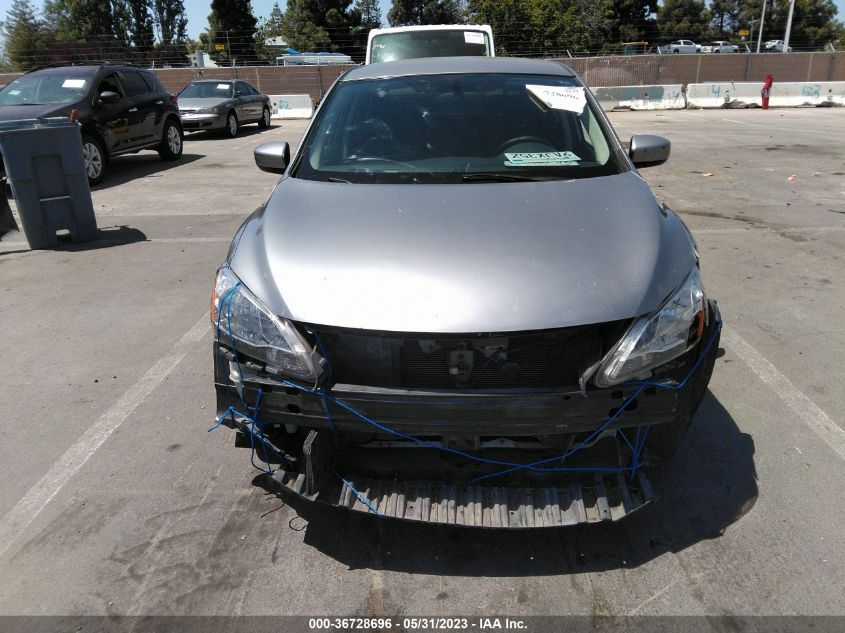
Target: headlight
pixel 214 110
pixel 237 314
pixel 657 339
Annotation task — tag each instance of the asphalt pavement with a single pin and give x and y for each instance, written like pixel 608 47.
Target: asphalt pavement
pixel 117 500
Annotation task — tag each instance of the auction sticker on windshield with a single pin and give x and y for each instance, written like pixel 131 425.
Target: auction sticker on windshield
pixel 541 159
pixel 559 98
pixel 473 37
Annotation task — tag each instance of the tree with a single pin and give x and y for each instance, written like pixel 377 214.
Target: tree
pixel 22 43
pixel 814 22
pixel 725 14
pixel 171 21
pixel 683 19
pixel 141 32
pixel 560 25
pixel 629 21
pixel 365 15
pixel 320 25
pixel 406 12
pixel 272 26
pixel 370 13
pixel 233 26
pixel 509 20
pixel 80 20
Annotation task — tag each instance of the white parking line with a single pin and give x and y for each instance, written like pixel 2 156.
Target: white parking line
pixel 806 410
pixel 795 229
pixel 36 499
pixel 742 122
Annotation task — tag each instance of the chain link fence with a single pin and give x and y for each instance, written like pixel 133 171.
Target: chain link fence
pixel 635 70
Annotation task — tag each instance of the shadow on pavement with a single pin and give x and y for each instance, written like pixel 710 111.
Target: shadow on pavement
pixel 217 135
pixel 122 169
pixel 710 483
pixel 106 238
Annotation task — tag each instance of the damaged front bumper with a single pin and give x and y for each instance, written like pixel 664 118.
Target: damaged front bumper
pixel 341 460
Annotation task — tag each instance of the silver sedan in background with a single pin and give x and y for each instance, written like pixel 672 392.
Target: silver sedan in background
pixel 222 105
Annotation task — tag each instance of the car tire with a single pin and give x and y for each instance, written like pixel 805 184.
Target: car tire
pixel 231 129
pixel 95 159
pixel 264 121
pixel 172 141
pixel 675 52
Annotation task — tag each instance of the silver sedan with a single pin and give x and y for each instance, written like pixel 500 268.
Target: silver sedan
pixel 461 276
pixel 222 105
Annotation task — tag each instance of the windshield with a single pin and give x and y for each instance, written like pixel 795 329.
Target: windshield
pixel 457 128
pixel 207 90
pixel 44 89
pixel 391 47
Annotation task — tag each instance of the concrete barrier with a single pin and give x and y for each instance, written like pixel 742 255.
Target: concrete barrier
pixel 783 95
pixel 668 97
pixel 291 106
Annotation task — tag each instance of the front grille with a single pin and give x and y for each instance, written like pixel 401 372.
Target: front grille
pixel 552 358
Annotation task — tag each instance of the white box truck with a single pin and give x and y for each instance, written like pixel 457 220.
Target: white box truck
pixel 433 40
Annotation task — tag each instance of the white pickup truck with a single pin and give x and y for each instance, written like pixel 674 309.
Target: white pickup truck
pixel 680 46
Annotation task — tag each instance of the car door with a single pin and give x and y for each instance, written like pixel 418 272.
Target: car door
pixel 143 110
pixel 257 101
pixel 246 101
pixel 112 119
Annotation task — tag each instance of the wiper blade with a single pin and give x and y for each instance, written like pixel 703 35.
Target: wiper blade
pixel 334 179
pixel 496 178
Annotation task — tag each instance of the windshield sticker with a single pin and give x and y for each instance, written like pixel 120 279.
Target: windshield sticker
pixel 73 83
pixel 559 97
pixel 473 37
pixel 542 159
pixel 14 92
pixel 222 86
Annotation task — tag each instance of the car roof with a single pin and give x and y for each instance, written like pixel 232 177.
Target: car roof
pixel 64 70
pixel 84 70
pixel 216 81
pixel 456 65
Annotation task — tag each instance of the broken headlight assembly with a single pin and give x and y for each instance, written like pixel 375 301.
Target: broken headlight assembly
pixel 242 321
pixel 658 338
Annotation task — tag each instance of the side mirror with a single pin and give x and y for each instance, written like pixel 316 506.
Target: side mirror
pixel 273 156
pixel 648 150
pixel 238 93
pixel 109 96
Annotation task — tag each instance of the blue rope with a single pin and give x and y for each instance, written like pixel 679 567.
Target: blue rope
pixel 359 495
pixel 253 426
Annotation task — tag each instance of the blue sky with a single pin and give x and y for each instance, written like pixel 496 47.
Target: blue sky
pixel 198 11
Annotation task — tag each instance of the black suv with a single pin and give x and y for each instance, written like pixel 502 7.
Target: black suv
pixel 122 109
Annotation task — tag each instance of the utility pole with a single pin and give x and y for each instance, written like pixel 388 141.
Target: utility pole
pixel 788 27
pixel 762 21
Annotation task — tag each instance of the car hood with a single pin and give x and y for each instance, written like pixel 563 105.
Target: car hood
pixel 197 102
pixel 34 111
pixel 462 258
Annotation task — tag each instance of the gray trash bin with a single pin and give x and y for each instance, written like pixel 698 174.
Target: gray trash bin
pixel 44 165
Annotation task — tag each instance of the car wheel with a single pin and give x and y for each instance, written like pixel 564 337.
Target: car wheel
pixel 676 51
pixel 171 141
pixel 95 159
pixel 231 125
pixel 264 121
